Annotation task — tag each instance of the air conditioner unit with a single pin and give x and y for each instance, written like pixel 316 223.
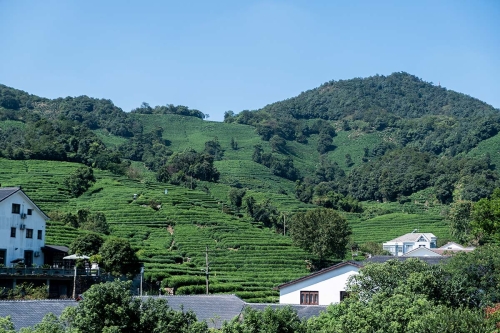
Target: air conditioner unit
pixel 23 215
pixel 36 254
pixel 22 226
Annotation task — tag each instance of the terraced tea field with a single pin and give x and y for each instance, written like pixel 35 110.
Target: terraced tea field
pixel 245 258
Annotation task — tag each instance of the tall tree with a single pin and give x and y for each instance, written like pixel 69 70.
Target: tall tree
pixel 80 181
pixel 118 257
pixel 323 232
pixel 460 220
pixel 86 244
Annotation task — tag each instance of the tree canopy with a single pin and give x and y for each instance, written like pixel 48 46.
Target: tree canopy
pixel 323 232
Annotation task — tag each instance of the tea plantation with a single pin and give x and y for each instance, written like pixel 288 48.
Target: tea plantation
pixel 245 258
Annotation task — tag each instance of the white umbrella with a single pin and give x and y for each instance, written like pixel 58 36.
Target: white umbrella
pixel 74 257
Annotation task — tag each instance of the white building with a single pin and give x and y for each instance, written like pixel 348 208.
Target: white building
pixel 324 287
pixel 406 243
pixel 22 228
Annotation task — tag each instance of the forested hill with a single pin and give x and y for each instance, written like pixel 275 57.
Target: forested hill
pixel 417 113
pixel 399 95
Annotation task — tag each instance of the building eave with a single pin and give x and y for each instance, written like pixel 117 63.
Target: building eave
pixel 320 272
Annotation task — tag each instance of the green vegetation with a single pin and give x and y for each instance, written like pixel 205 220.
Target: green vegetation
pixel 323 232
pixel 390 154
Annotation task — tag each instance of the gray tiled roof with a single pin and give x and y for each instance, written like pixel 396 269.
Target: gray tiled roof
pixel 303 311
pixel 59 248
pixel 382 259
pixel 214 309
pixel 30 313
pixel 6 192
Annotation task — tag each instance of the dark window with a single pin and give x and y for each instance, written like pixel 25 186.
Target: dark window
pixel 28 258
pixel 309 298
pixel 30 211
pixel 3 256
pixel 343 295
pixel 39 234
pixel 16 208
pixel 12 232
pixel 29 233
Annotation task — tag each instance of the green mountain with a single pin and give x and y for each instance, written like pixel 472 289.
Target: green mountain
pixel 388 152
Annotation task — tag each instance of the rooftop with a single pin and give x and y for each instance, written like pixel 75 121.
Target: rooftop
pixel 413 237
pixel 214 309
pixel 6 192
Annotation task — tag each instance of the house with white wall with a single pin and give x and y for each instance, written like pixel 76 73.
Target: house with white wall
pixel 401 245
pixel 323 287
pixel 22 228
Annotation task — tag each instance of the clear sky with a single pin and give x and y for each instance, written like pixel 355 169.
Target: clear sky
pixel 235 55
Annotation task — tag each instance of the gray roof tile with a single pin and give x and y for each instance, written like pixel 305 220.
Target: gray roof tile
pixel 30 313
pixel 382 259
pixel 6 192
pixel 214 309
pixel 303 311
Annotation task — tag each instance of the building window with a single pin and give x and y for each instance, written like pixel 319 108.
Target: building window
pixel 309 298
pixel 30 211
pixel 3 256
pixel 29 233
pixel 343 295
pixel 39 234
pixel 12 232
pixel 16 208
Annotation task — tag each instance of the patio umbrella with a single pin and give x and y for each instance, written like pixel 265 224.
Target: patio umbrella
pixel 75 256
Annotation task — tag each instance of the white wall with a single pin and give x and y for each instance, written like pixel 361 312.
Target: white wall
pixel 328 285
pixel 15 247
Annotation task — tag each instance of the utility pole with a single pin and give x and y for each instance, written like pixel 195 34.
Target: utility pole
pixel 284 223
pixel 206 268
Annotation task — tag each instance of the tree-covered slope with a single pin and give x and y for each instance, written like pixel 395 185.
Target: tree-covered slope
pixel 399 95
pixel 417 113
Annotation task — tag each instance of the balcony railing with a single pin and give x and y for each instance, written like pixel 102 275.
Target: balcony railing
pixel 38 271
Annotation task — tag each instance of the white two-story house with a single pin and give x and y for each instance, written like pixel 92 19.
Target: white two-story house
pixel 22 228
pixel 406 243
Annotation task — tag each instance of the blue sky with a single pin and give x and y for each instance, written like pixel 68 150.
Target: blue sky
pixel 234 55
